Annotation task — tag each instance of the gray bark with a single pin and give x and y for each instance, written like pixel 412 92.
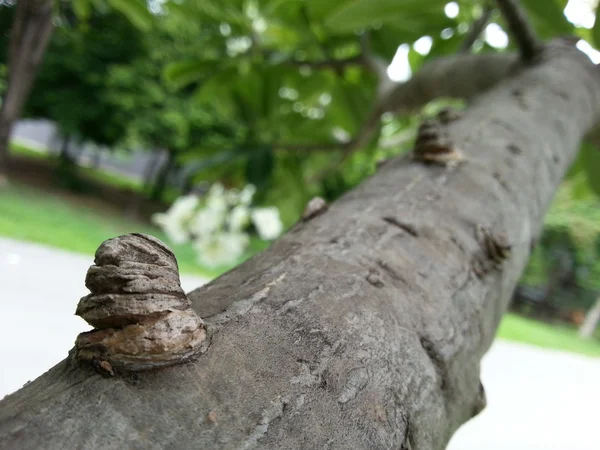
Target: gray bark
pixel 30 35
pixel 361 328
pixel 592 318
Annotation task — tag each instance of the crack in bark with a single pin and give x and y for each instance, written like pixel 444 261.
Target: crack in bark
pixel 437 361
pixel 406 227
pixel 391 271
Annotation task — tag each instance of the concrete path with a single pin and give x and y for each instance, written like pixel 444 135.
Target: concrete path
pixel 537 399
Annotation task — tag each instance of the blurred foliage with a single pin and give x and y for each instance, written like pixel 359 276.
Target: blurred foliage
pixel 71 86
pixel 568 255
pixel 267 91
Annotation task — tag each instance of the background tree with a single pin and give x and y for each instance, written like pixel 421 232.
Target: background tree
pixel 27 42
pixel 161 117
pixel 29 36
pixel 72 86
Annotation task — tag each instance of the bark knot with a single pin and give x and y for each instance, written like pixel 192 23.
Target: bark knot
pixel 142 319
pixel 433 144
pixel 314 207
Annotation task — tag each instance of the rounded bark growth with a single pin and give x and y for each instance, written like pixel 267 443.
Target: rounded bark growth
pixel 142 318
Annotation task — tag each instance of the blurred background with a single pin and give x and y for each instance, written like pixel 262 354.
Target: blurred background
pixel 211 124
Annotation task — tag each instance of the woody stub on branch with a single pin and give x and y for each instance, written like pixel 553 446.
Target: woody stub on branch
pixel 364 326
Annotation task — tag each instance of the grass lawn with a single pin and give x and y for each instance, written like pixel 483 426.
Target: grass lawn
pixel 118 181
pixel 48 218
pixel 555 337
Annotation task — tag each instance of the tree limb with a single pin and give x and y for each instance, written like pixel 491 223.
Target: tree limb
pixel 476 29
pixel 363 327
pixel 461 76
pixel 520 28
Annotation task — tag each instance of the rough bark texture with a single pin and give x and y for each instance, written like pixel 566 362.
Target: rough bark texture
pixel 364 326
pixel 29 38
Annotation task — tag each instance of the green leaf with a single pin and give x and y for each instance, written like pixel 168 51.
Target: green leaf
pixel 590 156
pixel 576 168
pixel 415 60
pixel 548 17
pixel 596 29
pixel 182 73
pixel 259 168
pixel 414 16
pixel 216 92
pixel 136 11
pixel 82 9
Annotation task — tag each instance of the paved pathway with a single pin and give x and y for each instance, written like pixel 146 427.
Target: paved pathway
pixel 537 400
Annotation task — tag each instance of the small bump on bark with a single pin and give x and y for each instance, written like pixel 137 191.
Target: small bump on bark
pixel 142 319
pixel 314 207
pixel 375 279
pixel 497 248
pixel 433 145
pixel 448 115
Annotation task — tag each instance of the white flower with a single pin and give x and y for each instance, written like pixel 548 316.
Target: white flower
pixel 174 221
pixel 206 221
pixel 247 194
pixel 239 217
pixel 232 196
pixel 183 207
pixel 221 249
pixel 216 198
pixel 217 204
pixel 234 242
pixel 173 228
pixel 216 190
pixel 267 222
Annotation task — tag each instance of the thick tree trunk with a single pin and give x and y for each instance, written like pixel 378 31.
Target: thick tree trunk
pixel 363 327
pixel 30 34
pixel 592 318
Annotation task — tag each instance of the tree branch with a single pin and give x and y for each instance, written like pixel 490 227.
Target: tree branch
pixel 363 327
pixel 476 29
pixel 460 76
pixel 520 28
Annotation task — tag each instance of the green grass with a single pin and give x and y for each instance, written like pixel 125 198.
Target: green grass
pixel 47 218
pixel 556 337
pixel 21 149
pixel 118 181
